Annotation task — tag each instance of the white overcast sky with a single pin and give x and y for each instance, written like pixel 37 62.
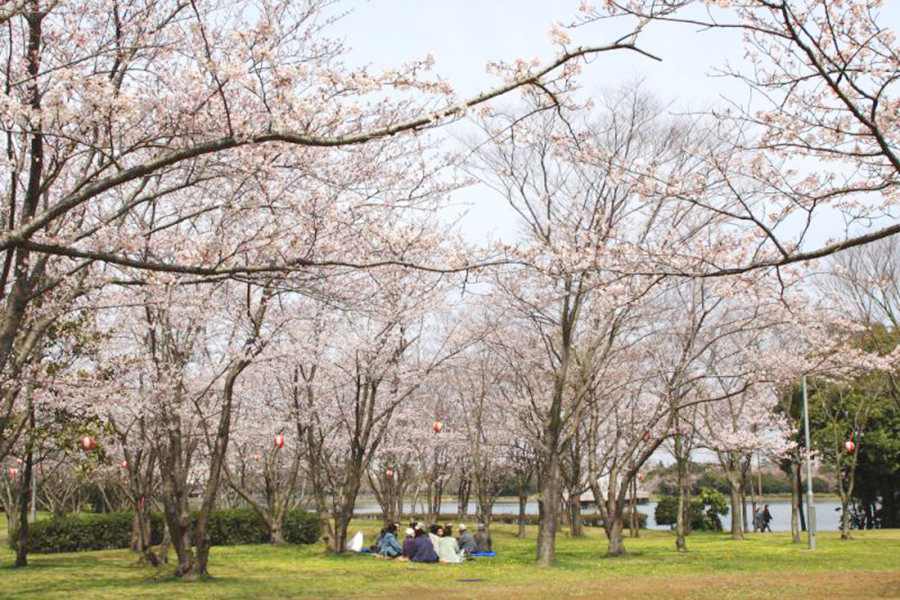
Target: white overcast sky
pixel 463 35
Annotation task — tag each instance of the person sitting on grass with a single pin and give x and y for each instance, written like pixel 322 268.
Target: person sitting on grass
pixel 408 542
pixel 433 536
pixel 423 549
pixel 389 546
pixel 466 540
pixel 448 549
pixel 482 539
pixel 376 545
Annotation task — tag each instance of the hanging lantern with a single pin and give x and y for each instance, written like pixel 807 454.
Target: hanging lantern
pixel 640 476
pixel 20 462
pixel 850 446
pixel 437 426
pixel 87 442
pixel 123 463
pixel 257 457
pixel 389 473
pixel 12 472
pixel 279 441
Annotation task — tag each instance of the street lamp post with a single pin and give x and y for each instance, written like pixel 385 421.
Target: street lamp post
pixel 810 500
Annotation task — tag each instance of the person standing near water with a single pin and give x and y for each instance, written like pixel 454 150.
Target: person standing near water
pixel 766 519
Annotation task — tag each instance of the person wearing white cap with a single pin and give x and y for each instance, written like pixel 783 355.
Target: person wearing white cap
pixel 408 542
pixel 466 539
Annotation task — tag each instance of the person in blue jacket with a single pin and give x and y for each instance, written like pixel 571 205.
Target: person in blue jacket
pixel 389 546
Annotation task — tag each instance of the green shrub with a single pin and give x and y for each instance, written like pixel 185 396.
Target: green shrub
pixel 235 526
pixel 86 532
pixel 72 533
pixel 301 527
pixel 703 512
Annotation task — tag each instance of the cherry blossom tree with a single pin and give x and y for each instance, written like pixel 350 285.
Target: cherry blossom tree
pixel 736 428
pixel 817 143
pixel 266 449
pixel 129 123
pixel 563 173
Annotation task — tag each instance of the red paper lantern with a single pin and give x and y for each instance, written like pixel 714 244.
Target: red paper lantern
pixel 87 442
pixel 389 473
pixel 123 463
pixel 437 426
pixel 279 441
pixel 20 462
pixel 850 446
pixel 12 472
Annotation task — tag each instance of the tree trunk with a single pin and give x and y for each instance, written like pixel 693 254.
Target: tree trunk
pixel 166 544
pixel 341 525
pixel 845 518
pixel 276 531
pixel 140 535
pixel 614 526
pixel 12 526
pixel 462 502
pixel 25 497
pixel 795 502
pixel 681 468
pixel 743 511
pixel 549 511
pixel 523 502
pixel 178 521
pixel 634 522
pixel 798 477
pixel 576 525
pixel 737 532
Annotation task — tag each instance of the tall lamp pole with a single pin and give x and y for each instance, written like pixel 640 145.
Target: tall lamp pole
pixel 810 500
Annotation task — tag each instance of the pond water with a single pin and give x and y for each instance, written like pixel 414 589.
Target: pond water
pixel 828 513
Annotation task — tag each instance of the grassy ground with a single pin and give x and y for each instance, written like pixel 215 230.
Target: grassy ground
pixel 763 566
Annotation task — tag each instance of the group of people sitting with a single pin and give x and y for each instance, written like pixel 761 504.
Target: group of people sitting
pixel 435 544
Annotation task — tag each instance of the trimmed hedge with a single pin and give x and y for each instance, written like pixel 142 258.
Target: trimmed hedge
pixel 301 527
pixel 113 530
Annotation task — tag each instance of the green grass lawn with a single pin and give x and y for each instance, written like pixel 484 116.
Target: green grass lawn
pixel 763 566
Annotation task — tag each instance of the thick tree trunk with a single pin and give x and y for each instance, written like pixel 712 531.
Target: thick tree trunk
pixel 737 532
pixel 24 499
pixel 12 526
pixel 341 526
pixel 576 525
pixel 175 500
pixel 614 526
pixel 549 511
pixel 276 532
pixel 178 522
